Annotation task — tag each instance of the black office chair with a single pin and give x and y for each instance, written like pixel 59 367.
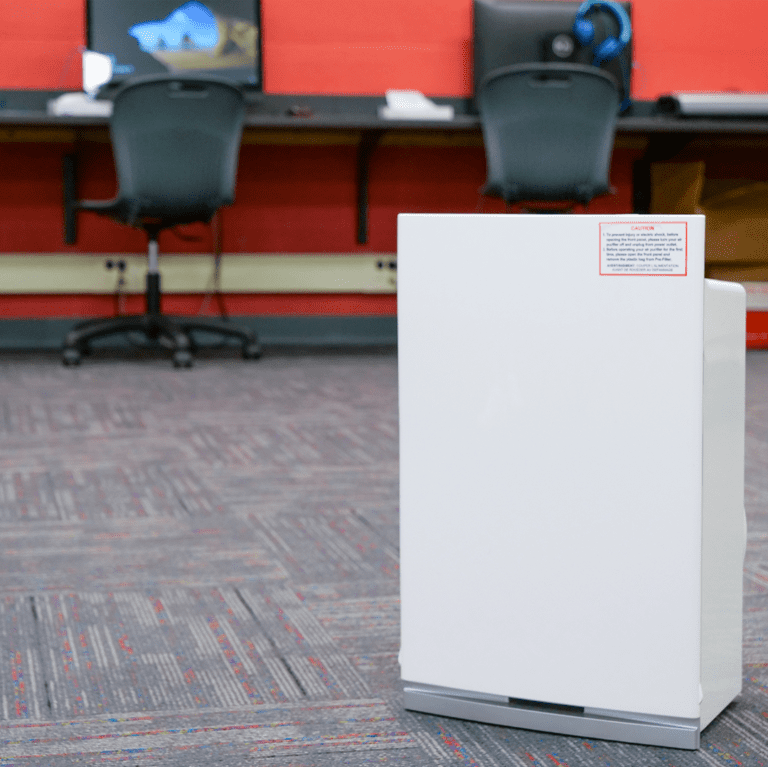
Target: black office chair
pixel 548 131
pixel 176 142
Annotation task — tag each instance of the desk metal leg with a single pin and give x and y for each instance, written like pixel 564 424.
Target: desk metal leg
pixel 69 179
pixel 368 142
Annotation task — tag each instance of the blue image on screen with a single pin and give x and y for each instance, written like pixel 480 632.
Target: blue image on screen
pixel 190 26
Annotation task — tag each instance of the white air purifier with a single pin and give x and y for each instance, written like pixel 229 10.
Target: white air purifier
pixel 572 474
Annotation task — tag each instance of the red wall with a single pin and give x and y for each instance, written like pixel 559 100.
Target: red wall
pixel 40 41
pixel 699 45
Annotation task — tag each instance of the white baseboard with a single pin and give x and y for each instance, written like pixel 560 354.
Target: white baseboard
pixel 77 273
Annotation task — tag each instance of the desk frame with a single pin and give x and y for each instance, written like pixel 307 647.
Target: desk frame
pixel 296 118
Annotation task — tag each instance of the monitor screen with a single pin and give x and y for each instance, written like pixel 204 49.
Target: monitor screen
pixel 142 37
pixel 522 31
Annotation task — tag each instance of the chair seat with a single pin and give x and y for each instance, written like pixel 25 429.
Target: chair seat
pixel 149 217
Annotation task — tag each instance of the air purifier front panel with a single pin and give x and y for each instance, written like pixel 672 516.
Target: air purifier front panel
pixel 551 457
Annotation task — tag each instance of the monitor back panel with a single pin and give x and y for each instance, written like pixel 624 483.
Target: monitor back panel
pixel 521 31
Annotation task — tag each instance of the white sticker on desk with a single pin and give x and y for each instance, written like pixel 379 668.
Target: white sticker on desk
pixel 640 248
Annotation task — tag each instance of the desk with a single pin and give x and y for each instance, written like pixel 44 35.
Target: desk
pixel 354 119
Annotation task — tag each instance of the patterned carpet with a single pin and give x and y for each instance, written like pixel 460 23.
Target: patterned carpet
pixel 200 567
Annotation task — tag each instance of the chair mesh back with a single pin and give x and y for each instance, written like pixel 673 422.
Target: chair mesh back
pixel 548 131
pixel 176 142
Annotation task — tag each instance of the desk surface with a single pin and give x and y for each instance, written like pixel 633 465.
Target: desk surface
pixel 23 117
pixel 361 113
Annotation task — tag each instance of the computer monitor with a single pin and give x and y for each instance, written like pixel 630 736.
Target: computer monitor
pixel 521 31
pixel 217 37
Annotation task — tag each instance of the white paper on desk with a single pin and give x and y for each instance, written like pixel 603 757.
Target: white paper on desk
pixel 413 105
pixel 79 105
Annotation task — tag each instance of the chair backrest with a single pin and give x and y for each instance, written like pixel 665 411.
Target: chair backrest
pixel 176 142
pixel 548 131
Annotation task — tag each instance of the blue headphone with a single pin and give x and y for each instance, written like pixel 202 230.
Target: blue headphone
pixel 584 30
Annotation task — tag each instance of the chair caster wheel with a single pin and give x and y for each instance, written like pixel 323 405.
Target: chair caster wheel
pixel 70 356
pixel 182 359
pixel 252 351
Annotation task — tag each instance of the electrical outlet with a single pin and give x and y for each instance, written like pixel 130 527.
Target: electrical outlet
pixel 390 265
